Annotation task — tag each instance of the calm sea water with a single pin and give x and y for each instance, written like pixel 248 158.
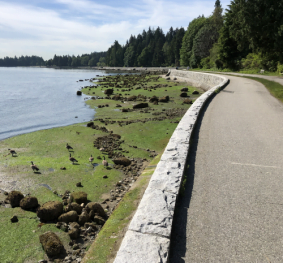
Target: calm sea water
pixel 33 99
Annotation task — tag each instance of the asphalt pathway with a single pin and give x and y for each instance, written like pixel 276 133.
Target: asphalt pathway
pixel 232 207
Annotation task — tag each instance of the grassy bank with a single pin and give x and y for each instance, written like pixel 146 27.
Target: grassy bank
pixel 144 134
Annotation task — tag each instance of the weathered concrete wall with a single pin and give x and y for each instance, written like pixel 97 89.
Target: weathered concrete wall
pixel 148 236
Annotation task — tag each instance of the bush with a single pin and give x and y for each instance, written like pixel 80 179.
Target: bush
pixel 252 61
pixel 279 68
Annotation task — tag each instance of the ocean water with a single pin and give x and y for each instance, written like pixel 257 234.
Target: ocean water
pixel 33 99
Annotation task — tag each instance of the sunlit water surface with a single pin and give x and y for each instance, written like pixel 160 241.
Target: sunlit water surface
pixel 33 99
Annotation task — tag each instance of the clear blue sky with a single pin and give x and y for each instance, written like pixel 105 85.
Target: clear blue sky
pixel 48 27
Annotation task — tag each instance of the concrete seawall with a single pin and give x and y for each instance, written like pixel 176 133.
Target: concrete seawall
pixel 148 236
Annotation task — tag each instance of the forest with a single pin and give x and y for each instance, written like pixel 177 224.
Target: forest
pixel 248 35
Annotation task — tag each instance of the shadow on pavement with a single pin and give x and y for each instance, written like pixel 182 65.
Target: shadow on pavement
pixel 179 237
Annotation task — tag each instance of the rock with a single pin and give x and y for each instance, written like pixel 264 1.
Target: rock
pixel 14 197
pixel 140 106
pixel 105 176
pixel 122 161
pixel 99 220
pixel 183 94
pixel 153 99
pixel 116 97
pixel 29 202
pixel 79 92
pixel 195 92
pixel 78 197
pixel 124 110
pixel 188 101
pixel 74 233
pixel 71 216
pixel 50 211
pixel 51 243
pixel 163 99
pixel 83 218
pixel 131 98
pixel 74 225
pixel 79 184
pixel 62 168
pixel 155 103
pixel 90 124
pixel 96 208
pixel 14 219
pixel 116 136
pixel 184 89
pixel 108 91
pixel 118 106
pixel 74 207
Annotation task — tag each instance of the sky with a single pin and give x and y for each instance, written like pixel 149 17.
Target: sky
pixel 75 27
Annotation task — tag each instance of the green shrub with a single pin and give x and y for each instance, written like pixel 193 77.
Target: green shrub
pixel 279 68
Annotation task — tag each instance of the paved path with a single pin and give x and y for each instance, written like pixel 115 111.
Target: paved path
pixel 232 209
pixel 278 79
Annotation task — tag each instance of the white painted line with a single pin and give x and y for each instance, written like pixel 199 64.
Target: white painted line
pixel 257 165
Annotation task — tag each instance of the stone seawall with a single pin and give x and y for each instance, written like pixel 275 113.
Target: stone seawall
pixel 148 236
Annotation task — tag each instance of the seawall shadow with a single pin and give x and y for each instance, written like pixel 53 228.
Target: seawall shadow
pixel 178 242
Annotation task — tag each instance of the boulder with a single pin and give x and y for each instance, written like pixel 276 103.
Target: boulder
pixel 14 219
pixel 51 243
pixel 183 94
pixel 99 220
pixel 68 217
pixel 155 103
pixel 116 97
pixel 184 89
pixel 90 124
pixel 74 207
pixel 78 197
pixel 153 99
pixel 188 101
pixel 15 197
pixel 164 99
pixel 122 161
pixel 96 208
pixel 116 136
pixel 131 98
pixel 83 218
pixel 74 233
pixel 195 92
pixel 50 211
pixel 79 92
pixel 108 91
pixel 29 202
pixel 140 106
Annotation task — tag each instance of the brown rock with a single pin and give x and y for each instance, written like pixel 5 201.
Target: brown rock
pixel 99 220
pixel 29 202
pixel 14 197
pixel 78 197
pixel 83 218
pixel 122 161
pixel 51 243
pixel 188 101
pixel 74 233
pixel 131 98
pixel 50 211
pixel 164 99
pixel 97 208
pixel 108 91
pixel 140 106
pixel 71 216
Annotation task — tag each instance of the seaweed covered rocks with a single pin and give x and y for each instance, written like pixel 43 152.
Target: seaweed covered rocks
pixel 50 211
pixel 51 243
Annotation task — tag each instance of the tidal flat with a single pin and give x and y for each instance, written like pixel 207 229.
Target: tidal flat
pixel 119 130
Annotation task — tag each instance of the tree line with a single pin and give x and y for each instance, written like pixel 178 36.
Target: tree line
pixel 23 61
pixel 248 36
